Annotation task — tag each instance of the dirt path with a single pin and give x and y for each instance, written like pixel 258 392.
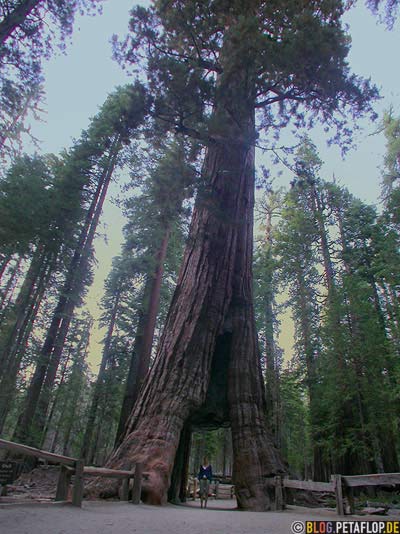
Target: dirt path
pixel 125 518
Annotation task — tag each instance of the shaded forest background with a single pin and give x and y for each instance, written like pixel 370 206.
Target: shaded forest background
pixel 321 255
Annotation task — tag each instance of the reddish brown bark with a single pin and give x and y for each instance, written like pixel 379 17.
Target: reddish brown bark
pixel 207 369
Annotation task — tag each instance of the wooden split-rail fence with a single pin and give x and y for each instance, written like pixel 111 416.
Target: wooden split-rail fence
pixel 73 467
pixel 217 489
pixel 342 486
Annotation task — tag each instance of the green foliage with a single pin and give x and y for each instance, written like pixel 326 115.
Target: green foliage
pixel 295 422
pixel 26 203
pixel 29 30
pixel 391 128
pixel 345 369
pixel 386 11
pixel 284 58
pixel 66 420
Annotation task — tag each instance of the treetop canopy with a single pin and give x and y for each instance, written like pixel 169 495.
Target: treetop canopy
pixel 283 58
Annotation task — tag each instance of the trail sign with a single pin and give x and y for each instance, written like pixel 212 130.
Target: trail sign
pixel 8 472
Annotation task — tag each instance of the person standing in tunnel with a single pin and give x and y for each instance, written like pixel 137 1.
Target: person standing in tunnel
pixel 204 477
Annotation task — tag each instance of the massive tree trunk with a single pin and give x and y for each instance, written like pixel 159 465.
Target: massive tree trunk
pixel 207 369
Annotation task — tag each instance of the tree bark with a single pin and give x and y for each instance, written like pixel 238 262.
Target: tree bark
pixel 180 473
pixel 14 19
pixel 210 325
pixel 8 290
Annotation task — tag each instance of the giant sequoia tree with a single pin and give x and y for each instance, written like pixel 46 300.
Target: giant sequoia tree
pixel 211 65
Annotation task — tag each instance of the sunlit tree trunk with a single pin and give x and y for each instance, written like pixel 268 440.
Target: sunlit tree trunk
pixel 88 446
pixel 140 361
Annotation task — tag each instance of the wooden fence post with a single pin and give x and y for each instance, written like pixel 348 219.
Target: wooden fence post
pixel 125 489
pixel 216 489
pixel 278 493
pixel 339 494
pixel 194 488
pixel 77 491
pixel 349 493
pixel 64 479
pixel 137 484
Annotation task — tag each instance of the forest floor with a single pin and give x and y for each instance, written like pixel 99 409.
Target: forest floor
pixel 122 518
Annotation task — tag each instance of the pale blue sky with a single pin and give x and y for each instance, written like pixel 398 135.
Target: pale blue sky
pixel 77 84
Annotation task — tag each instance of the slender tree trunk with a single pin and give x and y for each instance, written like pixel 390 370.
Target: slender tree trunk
pixel 8 291
pixel 140 360
pixel 8 383
pixel 326 256
pixel 31 423
pixel 4 262
pixel 81 354
pixel 351 461
pixel 210 326
pixel 392 313
pixel 365 465
pixel 272 370
pixel 15 18
pixel 21 306
pixel 71 420
pixel 88 449
pixel 385 439
pixel 318 471
pixel 56 400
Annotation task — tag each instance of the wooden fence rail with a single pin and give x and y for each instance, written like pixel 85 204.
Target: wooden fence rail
pixel 358 481
pixel 75 467
pixel 341 486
